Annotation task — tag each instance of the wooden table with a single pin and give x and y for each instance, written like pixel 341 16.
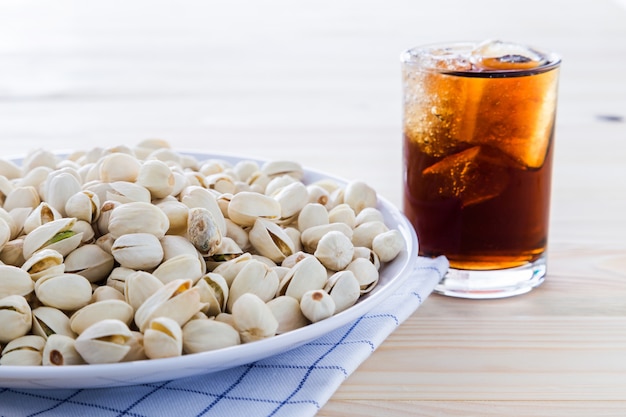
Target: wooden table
pixel 319 82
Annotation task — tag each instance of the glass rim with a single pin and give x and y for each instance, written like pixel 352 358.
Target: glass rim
pixel 412 57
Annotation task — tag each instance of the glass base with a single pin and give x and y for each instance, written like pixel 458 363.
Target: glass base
pixel 493 284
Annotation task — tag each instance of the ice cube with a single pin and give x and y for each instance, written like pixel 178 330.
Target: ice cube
pixel 499 55
pixel 474 175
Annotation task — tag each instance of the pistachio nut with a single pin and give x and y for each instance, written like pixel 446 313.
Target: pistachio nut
pixel 5 233
pixel 255 277
pixel 214 293
pixel 136 351
pixel 139 286
pixel 46 262
pixel 282 167
pixel 199 197
pixel 90 261
pixel 312 235
pixel 334 250
pixel 342 213
pixel 369 214
pixel 13 253
pixel 292 198
pixel 104 342
pixel 105 292
pixel 157 177
pixel 317 194
pixel 15 317
pixel 177 300
pixel 367 253
pixel 287 312
pixel 15 281
pixel 66 291
pixel 23 351
pixel 359 195
pixel 56 234
pixel 119 167
pixel 9 169
pixel 181 266
pixel 60 350
pixel 270 240
pixel 317 305
pixel 237 233
pixel 206 335
pixel 231 268
pixel 102 224
pixel 137 251
pixel 42 214
pixel 59 187
pixel 84 205
pixel 117 278
pixel 387 245
pixel 245 207
pixel 245 168
pixel 25 196
pixel 365 233
pixel 344 289
pixel 177 213
pixel 253 318
pixel 365 272
pixel 307 274
pixel 50 320
pixel 138 217
pixel 163 338
pixel 101 310
pixel 203 231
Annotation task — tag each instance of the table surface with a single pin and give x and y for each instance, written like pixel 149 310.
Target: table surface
pixel 319 82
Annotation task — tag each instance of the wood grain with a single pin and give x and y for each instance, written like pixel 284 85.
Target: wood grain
pixel 319 82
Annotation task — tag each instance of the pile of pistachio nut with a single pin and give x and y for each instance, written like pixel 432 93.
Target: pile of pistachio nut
pixel 131 253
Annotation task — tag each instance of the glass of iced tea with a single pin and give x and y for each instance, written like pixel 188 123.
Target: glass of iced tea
pixel 478 144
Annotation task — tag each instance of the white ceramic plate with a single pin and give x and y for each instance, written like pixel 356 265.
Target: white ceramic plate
pixel 148 371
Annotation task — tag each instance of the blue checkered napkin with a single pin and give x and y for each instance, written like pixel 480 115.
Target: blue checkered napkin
pixel 295 383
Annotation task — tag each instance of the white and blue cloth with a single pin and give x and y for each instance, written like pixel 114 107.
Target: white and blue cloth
pixel 295 383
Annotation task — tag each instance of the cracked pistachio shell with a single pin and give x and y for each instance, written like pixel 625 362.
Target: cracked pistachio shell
pixel 106 210
pixel 44 263
pixel 15 281
pixel 57 235
pixel 206 335
pixel 317 305
pixel 245 168
pixel 203 231
pixel 95 312
pixel 13 253
pixel 119 167
pixel 270 240
pixel 277 183
pixel 174 245
pixel 387 245
pixel 334 250
pixel 117 278
pixel 177 300
pixel 226 251
pixel 256 278
pixel 84 205
pixel 139 286
pixel 359 196
pixel 282 167
pixel 287 312
pixel 317 194
pixel 181 266
pixel 23 351
pixel 365 272
pixel 49 320
pixel 245 207
pixel 60 350
pixel 9 169
pixel 157 177
pixel 137 251
pixel 66 291
pixel 138 217
pixel 292 198
pixel 198 197
pixel 15 317
pixel 258 182
pixel 163 338
pixel 365 233
pixel 15 227
pixel 312 235
pixel 86 230
pixel 90 261
pixel 367 253
pixel 237 233
pixel 104 342
pixel 307 274
pixel 214 293
pixel 231 268
pixel 136 351
pixel 221 182
pixel 177 214
pixel 344 289
pixel 312 214
pixel 26 196
pixel 253 318
pixel 42 214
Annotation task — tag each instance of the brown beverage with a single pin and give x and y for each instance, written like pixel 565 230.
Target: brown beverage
pixel 478 144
